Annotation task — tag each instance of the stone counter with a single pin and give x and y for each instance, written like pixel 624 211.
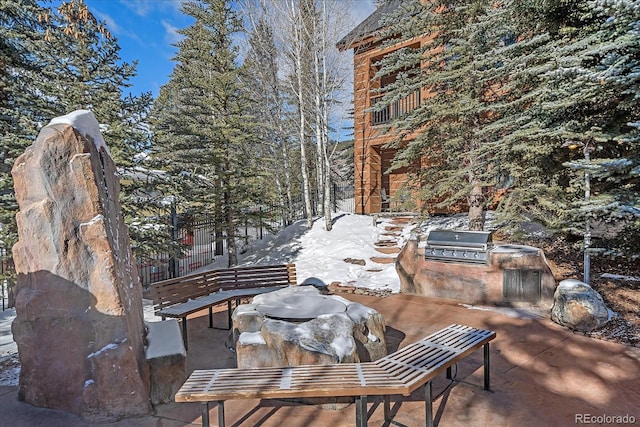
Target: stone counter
pixel 514 274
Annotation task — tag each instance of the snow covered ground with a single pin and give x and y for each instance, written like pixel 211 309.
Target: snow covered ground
pixel 320 254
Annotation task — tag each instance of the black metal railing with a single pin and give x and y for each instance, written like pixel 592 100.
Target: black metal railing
pixel 7 272
pixel 198 233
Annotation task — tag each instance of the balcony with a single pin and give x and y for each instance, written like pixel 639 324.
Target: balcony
pixel 396 109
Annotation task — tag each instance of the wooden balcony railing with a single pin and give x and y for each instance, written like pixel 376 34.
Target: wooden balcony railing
pixel 395 109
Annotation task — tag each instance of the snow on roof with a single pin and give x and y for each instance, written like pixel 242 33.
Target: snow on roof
pixel 86 124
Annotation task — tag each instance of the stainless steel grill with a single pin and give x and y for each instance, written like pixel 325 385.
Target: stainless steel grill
pixel 458 246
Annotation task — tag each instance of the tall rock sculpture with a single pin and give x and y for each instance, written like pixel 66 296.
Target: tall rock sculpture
pixel 79 323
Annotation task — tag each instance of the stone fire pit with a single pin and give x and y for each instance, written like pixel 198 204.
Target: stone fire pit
pixel 300 326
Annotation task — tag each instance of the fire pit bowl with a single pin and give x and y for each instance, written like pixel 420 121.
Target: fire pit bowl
pixel 301 308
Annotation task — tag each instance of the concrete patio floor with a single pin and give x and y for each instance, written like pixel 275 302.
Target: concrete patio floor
pixel 541 375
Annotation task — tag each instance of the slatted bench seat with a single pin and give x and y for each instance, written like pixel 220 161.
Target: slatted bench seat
pixel 182 296
pixel 399 373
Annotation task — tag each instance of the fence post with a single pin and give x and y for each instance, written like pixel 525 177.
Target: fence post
pixel 174 237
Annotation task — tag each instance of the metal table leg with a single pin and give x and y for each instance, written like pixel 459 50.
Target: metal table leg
pixel 221 413
pixel 205 414
pixel 361 411
pixel 487 380
pixel 387 408
pixel 428 405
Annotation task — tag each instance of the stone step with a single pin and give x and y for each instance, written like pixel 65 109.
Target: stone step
pixel 388 250
pixel 383 260
pixel 391 234
pixel 402 220
pixel 386 243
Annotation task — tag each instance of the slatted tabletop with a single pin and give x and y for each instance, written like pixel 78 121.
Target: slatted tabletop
pixel 297 381
pixel 420 361
pixel 194 305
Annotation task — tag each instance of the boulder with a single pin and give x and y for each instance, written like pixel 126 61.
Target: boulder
pixel 345 332
pixel 578 306
pixel 79 323
pixel 352 335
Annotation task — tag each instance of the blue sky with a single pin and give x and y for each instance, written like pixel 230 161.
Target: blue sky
pixel 146 30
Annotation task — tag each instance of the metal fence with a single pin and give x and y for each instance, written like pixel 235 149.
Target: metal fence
pixel 199 234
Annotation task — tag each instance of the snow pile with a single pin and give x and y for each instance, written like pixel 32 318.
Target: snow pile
pixel 7 346
pixel 320 255
pixel 323 254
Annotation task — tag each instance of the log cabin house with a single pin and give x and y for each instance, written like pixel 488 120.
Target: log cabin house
pixel 375 189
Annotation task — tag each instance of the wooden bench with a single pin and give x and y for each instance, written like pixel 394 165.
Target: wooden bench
pixel 399 373
pixel 182 296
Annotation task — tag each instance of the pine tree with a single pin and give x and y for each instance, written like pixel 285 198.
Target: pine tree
pixel 83 70
pixel 563 93
pixel 598 76
pixel 21 44
pixel 457 75
pixel 203 138
pixel 510 86
pixel 61 61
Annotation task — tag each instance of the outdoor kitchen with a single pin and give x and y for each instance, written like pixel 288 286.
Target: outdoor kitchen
pixel 468 267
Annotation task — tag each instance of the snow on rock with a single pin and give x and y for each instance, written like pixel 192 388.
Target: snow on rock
pixel 86 124
pixel 110 346
pixel 342 346
pixel 251 338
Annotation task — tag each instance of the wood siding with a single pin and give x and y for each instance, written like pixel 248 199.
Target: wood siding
pixel 371 159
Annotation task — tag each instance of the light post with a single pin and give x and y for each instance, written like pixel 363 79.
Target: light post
pixel 586 149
